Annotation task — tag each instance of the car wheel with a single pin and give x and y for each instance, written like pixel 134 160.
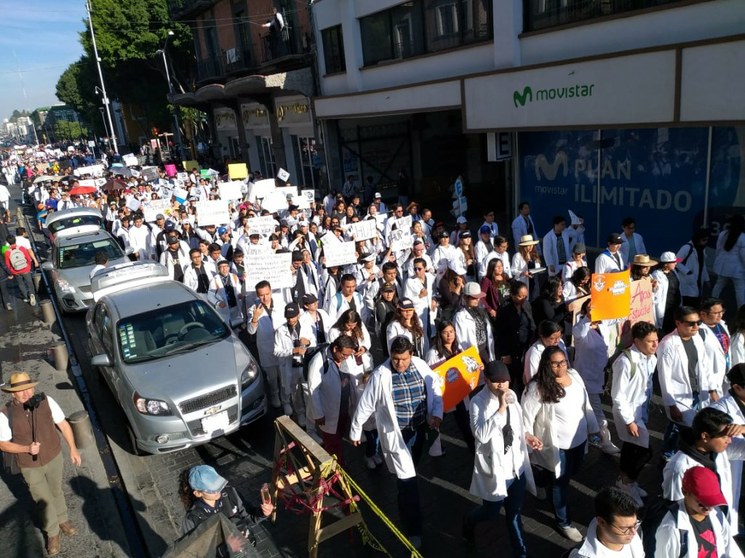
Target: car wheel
pixel 133 449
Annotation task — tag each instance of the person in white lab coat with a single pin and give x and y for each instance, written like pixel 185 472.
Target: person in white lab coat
pixel 404 396
pixel 716 338
pixel 264 316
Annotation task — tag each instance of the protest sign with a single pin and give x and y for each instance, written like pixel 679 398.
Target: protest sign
pixel 170 170
pixel 149 173
pixel 99 182
pixel 151 209
pixel 283 175
pixel 130 160
pixel 87 182
pixel 287 191
pixel 362 230
pixel 212 212
pixel 458 377
pixel 259 190
pixel 237 171
pixel 274 201
pixel 262 225
pixel 251 250
pixel 310 194
pixel 404 223
pixel 301 202
pixel 135 173
pixel 184 177
pixel 642 302
pixel 610 295
pixel 231 191
pixel 339 253
pixel 205 173
pixel 93 170
pixel 401 239
pixel 268 266
pixel 133 204
pixel 190 165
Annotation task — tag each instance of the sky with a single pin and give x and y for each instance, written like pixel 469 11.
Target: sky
pixel 44 36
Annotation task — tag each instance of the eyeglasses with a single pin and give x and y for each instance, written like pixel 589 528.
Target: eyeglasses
pixel 691 323
pixel 558 363
pixel 627 530
pixel 721 312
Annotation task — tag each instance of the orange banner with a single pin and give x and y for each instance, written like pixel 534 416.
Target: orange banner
pixel 459 376
pixel 611 295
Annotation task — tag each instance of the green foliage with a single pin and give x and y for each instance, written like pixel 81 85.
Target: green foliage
pixel 76 88
pixel 64 130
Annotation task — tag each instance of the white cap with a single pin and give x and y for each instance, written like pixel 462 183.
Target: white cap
pixel 377 195
pixel 461 220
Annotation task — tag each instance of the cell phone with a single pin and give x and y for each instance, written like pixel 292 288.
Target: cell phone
pixel 266 497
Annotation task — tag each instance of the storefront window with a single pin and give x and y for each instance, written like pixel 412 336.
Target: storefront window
pixel 306 159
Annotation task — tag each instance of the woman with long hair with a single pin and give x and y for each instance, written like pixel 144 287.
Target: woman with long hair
pixel 467 255
pixel 525 260
pixel 729 263
pixel 406 323
pixel 496 286
pixel 450 290
pixel 557 410
pixel 550 305
pixel 350 323
pixel 385 308
pixel 579 284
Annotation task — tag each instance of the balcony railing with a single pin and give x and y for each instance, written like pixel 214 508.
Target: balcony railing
pixel 543 14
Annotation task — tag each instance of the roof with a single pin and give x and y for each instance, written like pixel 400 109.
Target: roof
pixel 131 302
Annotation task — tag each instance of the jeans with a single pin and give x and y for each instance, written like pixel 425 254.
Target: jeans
pixel 571 461
pixel 372 442
pixel 513 503
pixel 25 284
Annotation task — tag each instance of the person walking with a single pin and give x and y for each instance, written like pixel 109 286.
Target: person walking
pixel 729 263
pixel 20 264
pixel 28 430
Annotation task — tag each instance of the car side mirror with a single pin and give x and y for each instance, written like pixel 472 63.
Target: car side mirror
pixel 129 251
pixel 47 266
pixel 101 360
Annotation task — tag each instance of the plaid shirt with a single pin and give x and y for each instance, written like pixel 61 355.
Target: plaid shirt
pixel 409 398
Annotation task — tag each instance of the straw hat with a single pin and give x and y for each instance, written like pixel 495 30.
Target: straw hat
pixel 643 261
pixel 527 240
pixel 19 382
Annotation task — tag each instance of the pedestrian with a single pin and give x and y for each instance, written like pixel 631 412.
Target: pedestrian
pixel 406 323
pixel 198 274
pixel 667 294
pixel 557 246
pixel 737 344
pixel 526 262
pixel 501 471
pixel 403 396
pixel 472 323
pixel 5 275
pixel 27 430
pixel 226 295
pixel 523 224
pixel 692 269
pixel 263 318
pixel 350 324
pixel 713 330
pixel 515 331
pixel 614 531
pixel 611 259
pixel 20 264
pixel 729 263
pixel 633 243
pixel 205 493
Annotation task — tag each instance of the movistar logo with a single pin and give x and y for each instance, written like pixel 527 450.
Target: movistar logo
pixel 551 93
pixel 526 96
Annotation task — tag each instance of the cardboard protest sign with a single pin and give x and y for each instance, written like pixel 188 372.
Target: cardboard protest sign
pixel 99 182
pixel 362 230
pixel 205 173
pixel 93 170
pixel 310 194
pixel 301 202
pixel 133 204
pixel 184 177
pixel 259 190
pixel 339 253
pixel 260 249
pixel 287 191
pixel 130 160
pixel 642 301
pixel 154 207
pixel 237 171
pixel 190 165
pixel 401 239
pixel 170 170
pixel 149 173
pixel 404 223
pixel 263 225
pixel 611 295
pixel 212 212
pixel 87 182
pixel 231 191
pixel 271 267
pixel 458 377
pixel 283 175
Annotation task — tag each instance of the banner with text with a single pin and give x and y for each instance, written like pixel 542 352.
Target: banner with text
pixel 611 295
pixel 212 212
pixel 339 253
pixel 267 266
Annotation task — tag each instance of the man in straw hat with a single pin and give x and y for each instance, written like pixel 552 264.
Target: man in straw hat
pixel 27 430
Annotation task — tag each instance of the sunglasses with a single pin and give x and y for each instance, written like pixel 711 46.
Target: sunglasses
pixel 691 323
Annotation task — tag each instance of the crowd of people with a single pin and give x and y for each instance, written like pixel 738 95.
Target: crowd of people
pixel 350 350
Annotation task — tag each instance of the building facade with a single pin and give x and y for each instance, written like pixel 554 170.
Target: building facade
pixel 607 108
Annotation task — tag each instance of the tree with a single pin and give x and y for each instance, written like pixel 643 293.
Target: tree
pixel 76 88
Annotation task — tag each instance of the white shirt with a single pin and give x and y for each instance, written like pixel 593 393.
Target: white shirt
pixel 569 417
pixel 6 435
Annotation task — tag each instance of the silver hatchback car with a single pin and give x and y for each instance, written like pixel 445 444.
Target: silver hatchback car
pixel 177 370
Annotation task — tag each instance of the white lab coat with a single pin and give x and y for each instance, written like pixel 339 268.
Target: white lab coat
pixel 338 305
pixel 638 245
pixel 668 535
pixel 660 295
pixel 533 357
pixel 264 330
pixel 591 354
pixel 191 279
pixel 377 399
pixel 283 347
pixel 488 480
pixel 217 295
pixel 606 263
pixel 312 321
pixel 592 548
pixel 551 250
pixel 672 369
pixel 730 406
pixel 395 329
pixel 422 305
pixel 520 228
pixel 688 269
pixel 465 331
pixel 629 393
pixel 730 263
pixel 715 354
pixel 737 348
pixel 351 364
pixel 183 257
pixel 325 391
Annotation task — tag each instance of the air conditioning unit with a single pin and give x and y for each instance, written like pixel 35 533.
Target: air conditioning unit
pixel 231 56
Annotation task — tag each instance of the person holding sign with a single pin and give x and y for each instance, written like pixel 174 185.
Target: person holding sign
pixel 502 469
pixel 226 294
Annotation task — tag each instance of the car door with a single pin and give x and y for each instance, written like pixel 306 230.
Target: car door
pixel 100 340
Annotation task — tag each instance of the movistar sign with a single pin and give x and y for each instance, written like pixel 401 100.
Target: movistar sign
pixel 551 94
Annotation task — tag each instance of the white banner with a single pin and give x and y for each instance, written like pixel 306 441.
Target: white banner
pixel 153 207
pixel 231 191
pixel 339 253
pixel 268 266
pixel 263 225
pixel 93 170
pixel 404 223
pixel 274 201
pixel 87 182
pixel 212 212
pixel 362 230
pixel 133 204
pixel 130 160
pixel 400 239
pixel 301 202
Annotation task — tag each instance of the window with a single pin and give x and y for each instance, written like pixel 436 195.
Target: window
pixel 333 50
pixel 307 159
pixel 447 19
pixel 266 158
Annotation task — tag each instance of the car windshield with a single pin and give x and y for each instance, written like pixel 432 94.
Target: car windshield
pixel 78 221
pixel 84 254
pixel 170 330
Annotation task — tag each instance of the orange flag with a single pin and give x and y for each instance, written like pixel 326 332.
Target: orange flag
pixel 611 295
pixel 458 377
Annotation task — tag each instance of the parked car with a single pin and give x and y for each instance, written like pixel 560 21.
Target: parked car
pixel 73 257
pixel 176 368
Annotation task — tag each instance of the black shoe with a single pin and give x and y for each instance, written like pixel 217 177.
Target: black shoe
pixel 468 532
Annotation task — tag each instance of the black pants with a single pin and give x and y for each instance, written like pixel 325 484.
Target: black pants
pixel 633 459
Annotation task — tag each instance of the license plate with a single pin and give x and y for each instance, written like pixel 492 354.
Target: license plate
pixel 216 422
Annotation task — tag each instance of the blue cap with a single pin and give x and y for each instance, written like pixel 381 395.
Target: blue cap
pixel 222 230
pixel 205 479
pixel 485 229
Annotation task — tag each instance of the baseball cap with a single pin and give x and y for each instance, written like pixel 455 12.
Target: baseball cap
pixel 461 220
pixel 496 371
pixel 309 298
pixel 377 195
pixel 703 483
pixel 579 248
pixel 405 304
pixel 160 216
pixel 669 257
pixel 443 234
pixel 473 290
pixel 615 238
pixel 222 230
pixel 292 310
pixel 205 479
pixel 389 287
pixel 485 229
pixel 465 234
pixel 172 239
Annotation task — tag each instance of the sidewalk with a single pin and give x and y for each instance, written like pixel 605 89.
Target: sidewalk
pixel 24 343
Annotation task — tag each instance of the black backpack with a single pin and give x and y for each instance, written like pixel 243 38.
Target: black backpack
pixel 308 356
pixel 656 512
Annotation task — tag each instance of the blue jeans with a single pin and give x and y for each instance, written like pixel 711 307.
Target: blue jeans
pixel 372 445
pixel 571 461
pixel 513 503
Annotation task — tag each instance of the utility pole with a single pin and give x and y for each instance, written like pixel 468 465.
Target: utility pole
pixel 100 76
pixel 176 129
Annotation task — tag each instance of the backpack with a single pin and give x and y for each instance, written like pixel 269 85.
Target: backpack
pixel 656 512
pixel 17 259
pixel 308 356
pixel 609 367
pixel 10 462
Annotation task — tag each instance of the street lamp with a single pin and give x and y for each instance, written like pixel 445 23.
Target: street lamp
pixel 100 77
pixel 177 130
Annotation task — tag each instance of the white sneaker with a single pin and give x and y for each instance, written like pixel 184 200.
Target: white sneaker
pixel 8 306
pixel 287 408
pixel 32 300
pixel 371 463
pixel 571 533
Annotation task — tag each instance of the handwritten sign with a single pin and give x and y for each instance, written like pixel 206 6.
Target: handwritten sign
pixel 130 160
pixel 93 170
pixel 263 225
pixel 404 223
pixel 642 302
pixel 339 253
pixel 88 182
pixel 212 212
pixel 458 377
pixel 267 265
pixel 170 170
pixel 190 165
pixel 401 239
pixel 231 191
pixel 362 230
pixel 149 173
pixel 154 207
pixel 611 295
pixel 237 171
pixel 274 201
